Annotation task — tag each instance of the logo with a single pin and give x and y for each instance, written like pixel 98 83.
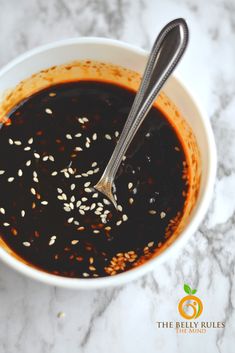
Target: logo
pixel 190 307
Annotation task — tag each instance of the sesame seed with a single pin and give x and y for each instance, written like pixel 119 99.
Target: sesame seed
pixel 87 184
pixel 60 191
pixel 81 228
pixel 78 149
pixel 130 185
pixel 68 136
pixel 119 208
pixel 2 210
pixel 81 212
pixel 51 158
pixel 118 223
pixel 54 173
pixel 67 209
pixel 33 191
pixel 45 158
pixel 78 203
pixel 84 199
pixel 22 213
pixel 88 190
pixel 94 136
pixel 96 170
pixel 48 111
pixel 95 195
pixel 27 148
pixel 150 244
pixel 10 179
pixel 80 120
pixel 14 231
pixel 52 94
pixel 108 137
pixel 71 205
pixel 94 164
pixel 72 187
pixel 28 163
pixel 61 315
pixel 76 223
pixel 96 231
pixel 26 243
pixel 10 141
pixel 85 119
pixel 85 274
pixel 2 172
pixel 52 241
pixel 72 198
pixel 74 242
pixel 70 220
pixel 162 215
pixel 30 141
pixel 108 228
pixel 64 196
pixel 131 200
pixel 36 155
pixel 6 224
pixel 87 144
pixel 152 212
pixel 134 191
pixel 116 133
pixel 124 158
pixel 78 135
pixel 124 217
pixel 44 202
pixel 66 174
pixel 20 173
pixel 18 143
pixel 106 202
pixel 92 206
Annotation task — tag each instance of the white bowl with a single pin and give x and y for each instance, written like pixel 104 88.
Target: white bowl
pixel 133 58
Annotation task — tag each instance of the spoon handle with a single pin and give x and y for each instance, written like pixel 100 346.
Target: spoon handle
pixel 165 55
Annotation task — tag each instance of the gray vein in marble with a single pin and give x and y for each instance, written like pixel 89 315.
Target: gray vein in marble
pixel 107 298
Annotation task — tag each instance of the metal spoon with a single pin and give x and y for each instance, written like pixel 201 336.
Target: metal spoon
pixel 164 57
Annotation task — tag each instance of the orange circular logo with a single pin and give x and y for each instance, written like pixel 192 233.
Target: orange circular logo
pixel 190 307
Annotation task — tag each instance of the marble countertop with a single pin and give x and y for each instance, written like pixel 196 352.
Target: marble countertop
pixel 124 319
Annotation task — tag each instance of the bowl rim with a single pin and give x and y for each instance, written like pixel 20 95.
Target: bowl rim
pixel 190 228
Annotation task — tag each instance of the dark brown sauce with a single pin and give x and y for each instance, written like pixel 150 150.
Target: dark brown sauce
pixel 41 218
